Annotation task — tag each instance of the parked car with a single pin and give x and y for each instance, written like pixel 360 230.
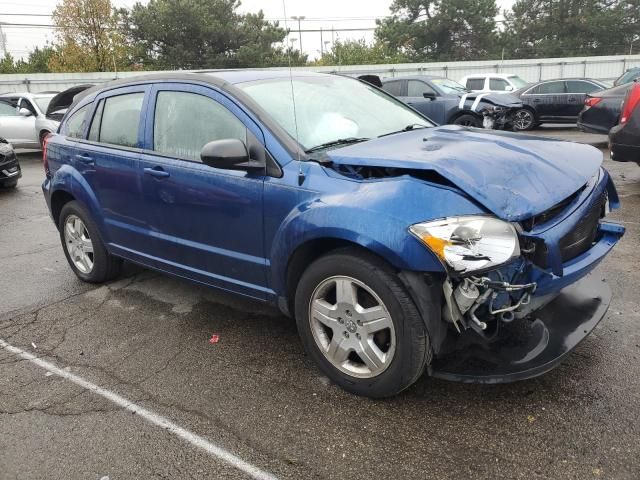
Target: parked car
pixel 628 76
pixel 18 114
pixel 396 245
pixel 624 138
pixel 49 122
pixel 9 166
pixel 601 111
pixel 493 82
pixel 556 101
pixel 446 101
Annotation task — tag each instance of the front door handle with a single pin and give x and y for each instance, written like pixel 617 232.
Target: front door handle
pixel 157 172
pixel 86 159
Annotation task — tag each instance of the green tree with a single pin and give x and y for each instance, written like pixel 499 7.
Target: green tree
pixel 7 65
pixel 200 34
pixel 358 52
pixel 561 28
pixel 89 37
pixel 37 62
pixel 443 30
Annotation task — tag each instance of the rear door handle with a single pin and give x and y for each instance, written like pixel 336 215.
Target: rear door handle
pixel 86 159
pixel 157 172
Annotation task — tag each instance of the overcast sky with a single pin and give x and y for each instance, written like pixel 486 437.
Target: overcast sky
pixel 325 14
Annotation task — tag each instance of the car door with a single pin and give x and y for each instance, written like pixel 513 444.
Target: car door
pixel 107 156
pixel 577 91
pixel 202 222
pixel 431 107
pixel 18 129
pixel 548 99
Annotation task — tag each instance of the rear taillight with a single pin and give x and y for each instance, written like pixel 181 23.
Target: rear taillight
pixel 592 101
pixel 45 161
pixel 631 102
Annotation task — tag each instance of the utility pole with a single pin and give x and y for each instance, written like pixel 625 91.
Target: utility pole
pixel 3 42
pixel 321 44
pixel 299 19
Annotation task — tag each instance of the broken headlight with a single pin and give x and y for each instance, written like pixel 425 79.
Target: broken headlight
pixel 470 243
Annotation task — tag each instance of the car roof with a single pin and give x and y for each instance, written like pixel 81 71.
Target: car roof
pixel 490 75
pixel 225 80
pixel 26 94
pixel 414 77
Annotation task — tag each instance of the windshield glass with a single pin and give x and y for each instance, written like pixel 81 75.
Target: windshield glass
pixel 331 108
pixel 43 103
pixel 517 81
pixel 448 86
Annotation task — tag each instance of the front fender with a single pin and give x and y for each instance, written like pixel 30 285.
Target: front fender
pixel 383 235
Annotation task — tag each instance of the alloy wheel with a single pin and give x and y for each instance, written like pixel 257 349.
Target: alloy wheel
pixel 352 327
pixel 78 243
pixel 523 119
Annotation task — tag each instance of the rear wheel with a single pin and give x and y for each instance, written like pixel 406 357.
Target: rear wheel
pixel 83 247
pixel 524 119
pixel 468 120
pixel 359 325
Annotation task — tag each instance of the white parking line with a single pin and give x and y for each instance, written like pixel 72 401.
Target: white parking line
pixel 149 416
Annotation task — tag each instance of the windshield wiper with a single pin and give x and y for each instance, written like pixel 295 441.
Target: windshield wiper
pixel 408 128
pixel 335 143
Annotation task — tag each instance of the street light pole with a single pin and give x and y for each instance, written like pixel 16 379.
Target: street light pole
pixel 299 19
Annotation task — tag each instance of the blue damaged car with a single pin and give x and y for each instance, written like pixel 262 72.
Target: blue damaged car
pixel 400 248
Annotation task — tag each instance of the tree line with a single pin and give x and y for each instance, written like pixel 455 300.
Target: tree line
pixel 91 35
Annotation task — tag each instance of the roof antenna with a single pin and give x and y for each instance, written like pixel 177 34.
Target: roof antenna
pixel 301 176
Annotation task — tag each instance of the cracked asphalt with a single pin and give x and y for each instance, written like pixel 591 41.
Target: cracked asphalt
pixel 146 337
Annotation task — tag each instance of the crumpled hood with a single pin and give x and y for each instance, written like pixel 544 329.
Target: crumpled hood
pixel 497 99
pixel 514 176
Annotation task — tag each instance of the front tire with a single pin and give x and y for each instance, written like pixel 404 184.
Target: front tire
pixel 359 324
pixel 468 120
pixel 83 246
pixel 523 120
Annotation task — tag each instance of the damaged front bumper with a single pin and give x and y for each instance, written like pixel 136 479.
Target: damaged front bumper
pixel 519 320
pixel 527 348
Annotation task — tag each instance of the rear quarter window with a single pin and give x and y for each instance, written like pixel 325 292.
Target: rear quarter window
pixel 77 123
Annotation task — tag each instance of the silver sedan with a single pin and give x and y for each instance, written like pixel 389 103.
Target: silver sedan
pixel 18 115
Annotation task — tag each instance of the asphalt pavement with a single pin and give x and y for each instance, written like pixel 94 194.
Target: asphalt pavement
pixel 122 381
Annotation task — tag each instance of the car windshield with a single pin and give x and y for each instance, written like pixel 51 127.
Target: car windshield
pixel 43 103
pixel 517 81
pixel 331 109
pixel 448 86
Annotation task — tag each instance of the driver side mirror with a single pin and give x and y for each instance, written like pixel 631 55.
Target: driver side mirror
pixel 508 88
pixel 25 112
pixel 229 154
pixel 429 95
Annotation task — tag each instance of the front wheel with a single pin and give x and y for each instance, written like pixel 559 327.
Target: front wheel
pixel 524 119
pixel 359 325
pixel 468 120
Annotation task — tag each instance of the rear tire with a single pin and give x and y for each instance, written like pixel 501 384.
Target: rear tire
pixel 83 246
pixel 468 120
pixel 359 325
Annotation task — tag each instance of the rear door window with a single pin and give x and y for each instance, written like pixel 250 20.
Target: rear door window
pixel 578 86
pixel 416 88
pixel 475 84
pixel 121 119
pixel 394 87
pixel 185 122
pixel 77 122
pixel 498 84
